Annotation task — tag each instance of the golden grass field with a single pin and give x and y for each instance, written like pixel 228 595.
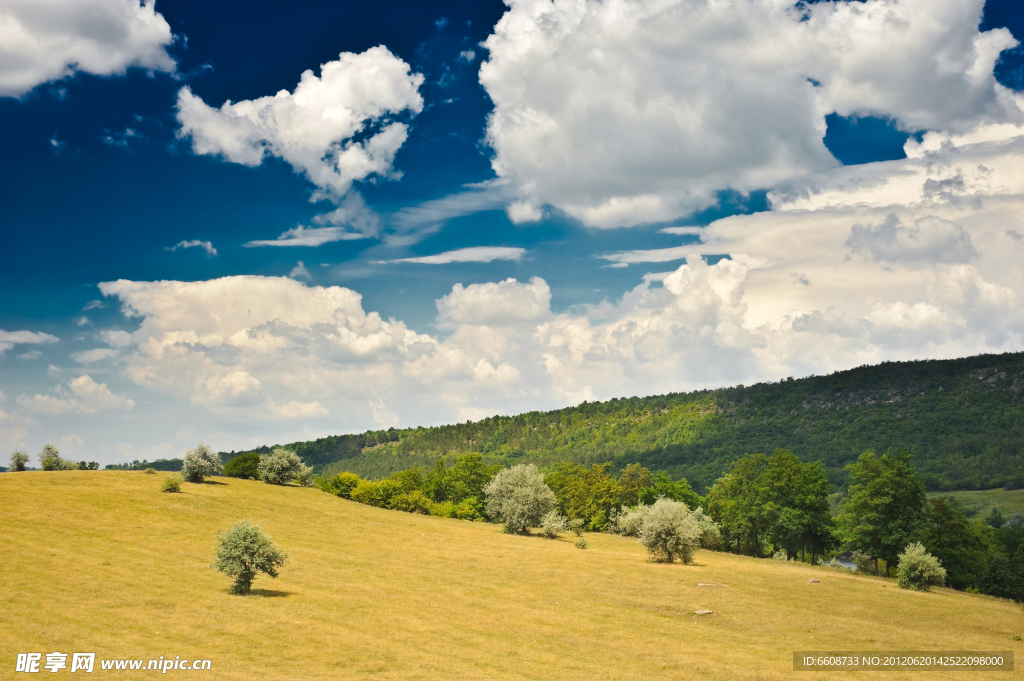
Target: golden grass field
pixel 982 502
pixel 103 562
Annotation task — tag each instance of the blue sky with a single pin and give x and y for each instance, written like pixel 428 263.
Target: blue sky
pixel 477 208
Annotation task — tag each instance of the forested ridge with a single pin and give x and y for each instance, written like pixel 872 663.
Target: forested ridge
pixel 961 419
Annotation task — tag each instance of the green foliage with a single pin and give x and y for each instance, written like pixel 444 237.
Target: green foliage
pixel 518 497
pixel 587 494
pixel 340 485
pixel 662 485
pixel 412 502
pixel 465 478
pixel 281 467
pixel 961 418
pixel 633 480
pixel 1004 577
pixel 200 463
pixel 670 530
pixel 553 524
pixel 629 521
pixel 777 500
pixel 51 460
pixel 244 551
pixel 172 483
pixel 961 546
pixel 576 525
pixel 884 506
pixel 18 460
pixel 581 543
pixel 169 465
pixel 150 471
pixel 995 519
pixel 245 466
pixel 470 508
pixel 918 569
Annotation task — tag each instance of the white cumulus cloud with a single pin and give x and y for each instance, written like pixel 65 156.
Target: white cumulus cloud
pixel 626 112
pixel 8 339
pixel 46 40
pixel 82 395
pixel 314 127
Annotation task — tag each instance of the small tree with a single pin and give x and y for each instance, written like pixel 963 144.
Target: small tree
pixel 200 463
pixel 576 525
pixel 553 524
pixel 519 498
pixel 246 550
pixel 918 569
pixel 669 530
pixel 282 466
pixel 18 460
pixel 243 466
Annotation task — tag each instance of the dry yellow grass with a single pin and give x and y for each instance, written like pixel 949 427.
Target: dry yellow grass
pixel 103 562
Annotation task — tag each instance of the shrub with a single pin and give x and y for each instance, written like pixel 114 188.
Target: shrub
pixel 51 460
pixel 581 543
pixel 553 524
pixel 710 535
pixel 18 460
pixel 918 569
pixel 412 502
pixel 668 530
pixel 780 555
pixel 340 485
pixel 469 508
pixel 630 521
pixel 245 466
pixel 367 492
pixel 518 497
pixel 576 525
pixel 282 466
pixel 246 550
pixel 172 483
pixel 200 463
pixel 863 562
pixel 149 471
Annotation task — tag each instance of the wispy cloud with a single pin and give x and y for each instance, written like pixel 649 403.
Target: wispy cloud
pixel 412 223
pixel 472 254
pixel 8 339
pixel 625 258
pixel 299 271
pixel 308 236
pixel 194 243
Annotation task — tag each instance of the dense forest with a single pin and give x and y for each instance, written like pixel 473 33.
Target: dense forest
pixel 962 421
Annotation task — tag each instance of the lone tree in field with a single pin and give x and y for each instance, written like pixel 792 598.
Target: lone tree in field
pixel 519 498
pixel 200 463
pixel 246 550
pixel 283 466
pixel 669 529
pixel 18 460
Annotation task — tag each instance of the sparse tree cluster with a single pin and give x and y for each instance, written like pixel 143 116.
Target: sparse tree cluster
pixel 200 463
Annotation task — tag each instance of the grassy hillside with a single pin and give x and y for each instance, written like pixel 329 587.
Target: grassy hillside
pixel 103 562
pixel 962 419
pixel 975 503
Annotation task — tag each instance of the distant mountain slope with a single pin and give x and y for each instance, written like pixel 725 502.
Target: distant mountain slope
pixel 962 419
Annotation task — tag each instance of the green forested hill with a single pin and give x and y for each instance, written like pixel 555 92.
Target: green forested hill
pixel 963 420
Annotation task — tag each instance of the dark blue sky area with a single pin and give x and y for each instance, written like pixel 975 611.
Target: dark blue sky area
pixel 86 201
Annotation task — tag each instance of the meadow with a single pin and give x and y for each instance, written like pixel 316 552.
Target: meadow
pixel 101 561
pixel 981 502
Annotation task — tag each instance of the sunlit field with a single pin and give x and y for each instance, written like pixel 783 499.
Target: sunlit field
pixel 1009 502
pixel 103 562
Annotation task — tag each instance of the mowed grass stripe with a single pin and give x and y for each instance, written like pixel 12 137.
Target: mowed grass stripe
pixel 103 562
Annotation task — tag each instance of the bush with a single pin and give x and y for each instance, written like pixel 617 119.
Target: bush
pixel 172 483
pixel 367 492
pixel 246 550
pixel 919 570
pixel 149 471
pixel 283 466
pixel 518 497
pixel 51 460
pixel 630 522
pixel 581 543
pixel 863 561
pixel 781 555
pixel 245 466
pixel 553 525
pixel 200 463
pixel 413 502
pixel 710 535
pixel 340 485
pixel 668 530
pixel 469 508
pixel 576 525
pixel 18 461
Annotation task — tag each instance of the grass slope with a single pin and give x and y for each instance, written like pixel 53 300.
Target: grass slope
pixel 980 503
pixel 962 419
pixel 102 562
